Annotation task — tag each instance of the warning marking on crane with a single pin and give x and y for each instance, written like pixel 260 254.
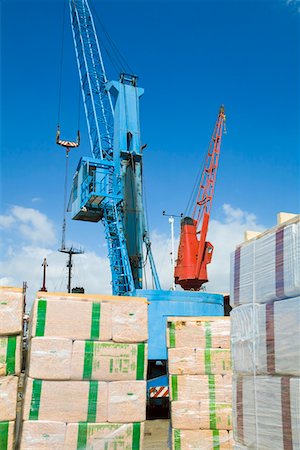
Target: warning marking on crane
pixel 159 391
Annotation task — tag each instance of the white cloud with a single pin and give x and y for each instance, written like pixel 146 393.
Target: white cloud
pixel 6 221
pixel 225 235
pixel 36 199
pixel 32 225
pixel 92 271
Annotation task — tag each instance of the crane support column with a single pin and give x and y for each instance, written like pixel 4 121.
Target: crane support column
pixel 128 159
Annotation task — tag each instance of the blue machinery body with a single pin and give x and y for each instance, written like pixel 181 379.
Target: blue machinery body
pixel 108 187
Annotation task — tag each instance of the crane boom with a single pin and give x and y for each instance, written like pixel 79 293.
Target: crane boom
pixel 194 252
pixel 97 102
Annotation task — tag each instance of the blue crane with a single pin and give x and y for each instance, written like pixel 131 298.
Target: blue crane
pixel 107 187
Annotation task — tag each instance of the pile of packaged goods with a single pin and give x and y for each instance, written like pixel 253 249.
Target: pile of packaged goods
pixel 11 335
pixel 265 336
pixel 86 371
pixel 200 382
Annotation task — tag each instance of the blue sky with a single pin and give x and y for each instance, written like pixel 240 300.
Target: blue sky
pixel 190 58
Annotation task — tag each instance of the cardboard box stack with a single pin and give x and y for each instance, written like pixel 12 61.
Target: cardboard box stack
pixel 265 336
pixel 86 372
pixel 200 382
pixel 11 330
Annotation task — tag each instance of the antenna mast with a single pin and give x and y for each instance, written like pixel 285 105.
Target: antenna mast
pixel 71 250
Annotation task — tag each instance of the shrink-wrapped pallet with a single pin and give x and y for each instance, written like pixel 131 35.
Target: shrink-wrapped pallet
pixel 43 435
pixel 198 361
pixel 65 401
pixel 203 415
pixel 8 398
pixel 267 267
pixel 201 387
pixel 201 439
pixel 104 436
pixel 10 355
pixel 11 310
pixel 266 412
pixel 198 332
pixel 7 435
pixel 265 338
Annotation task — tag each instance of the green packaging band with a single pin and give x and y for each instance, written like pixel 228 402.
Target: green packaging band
pixel 86 429
pixel 93 400
pixel 8 347
pixel 41 317
pixel 172 338
pixel 36 400
pixel 4 428
pixel 11 355
pixel 95 323
pixel 89 357
pixel 177 440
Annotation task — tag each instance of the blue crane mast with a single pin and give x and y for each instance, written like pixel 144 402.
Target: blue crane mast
pixel 108 186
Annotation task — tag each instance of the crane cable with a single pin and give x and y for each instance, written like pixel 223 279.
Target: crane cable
pixel 117 59
pixel 61 62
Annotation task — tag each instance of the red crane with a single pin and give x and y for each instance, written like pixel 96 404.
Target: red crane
pixel 194 252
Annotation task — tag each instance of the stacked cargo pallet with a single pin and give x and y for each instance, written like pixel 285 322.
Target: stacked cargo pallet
pixel 265 292
pixel 200 382
pixel 86 371
pixel 11 330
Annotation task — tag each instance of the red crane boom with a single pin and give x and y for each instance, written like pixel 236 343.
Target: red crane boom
pixel 194 252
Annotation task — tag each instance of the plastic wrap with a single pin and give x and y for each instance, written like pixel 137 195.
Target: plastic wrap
pixel 46 353
pixel 198 361
pixel 72 319
pixel 43 435
pixel 201 332
pixel 201 440
pixel 87 401
pixel 11 310
pixel 121 321
pixel 8 398
pixel 268 267
pixel 86 360
pixel 10 355
pixel 129 320
pixel 201 387
pixel 266 413
pixel 105 436
pixel 66 401
pixel 126 401
pixel 205 415
pixel 109 361
pixel 265 338
pixel 7 433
